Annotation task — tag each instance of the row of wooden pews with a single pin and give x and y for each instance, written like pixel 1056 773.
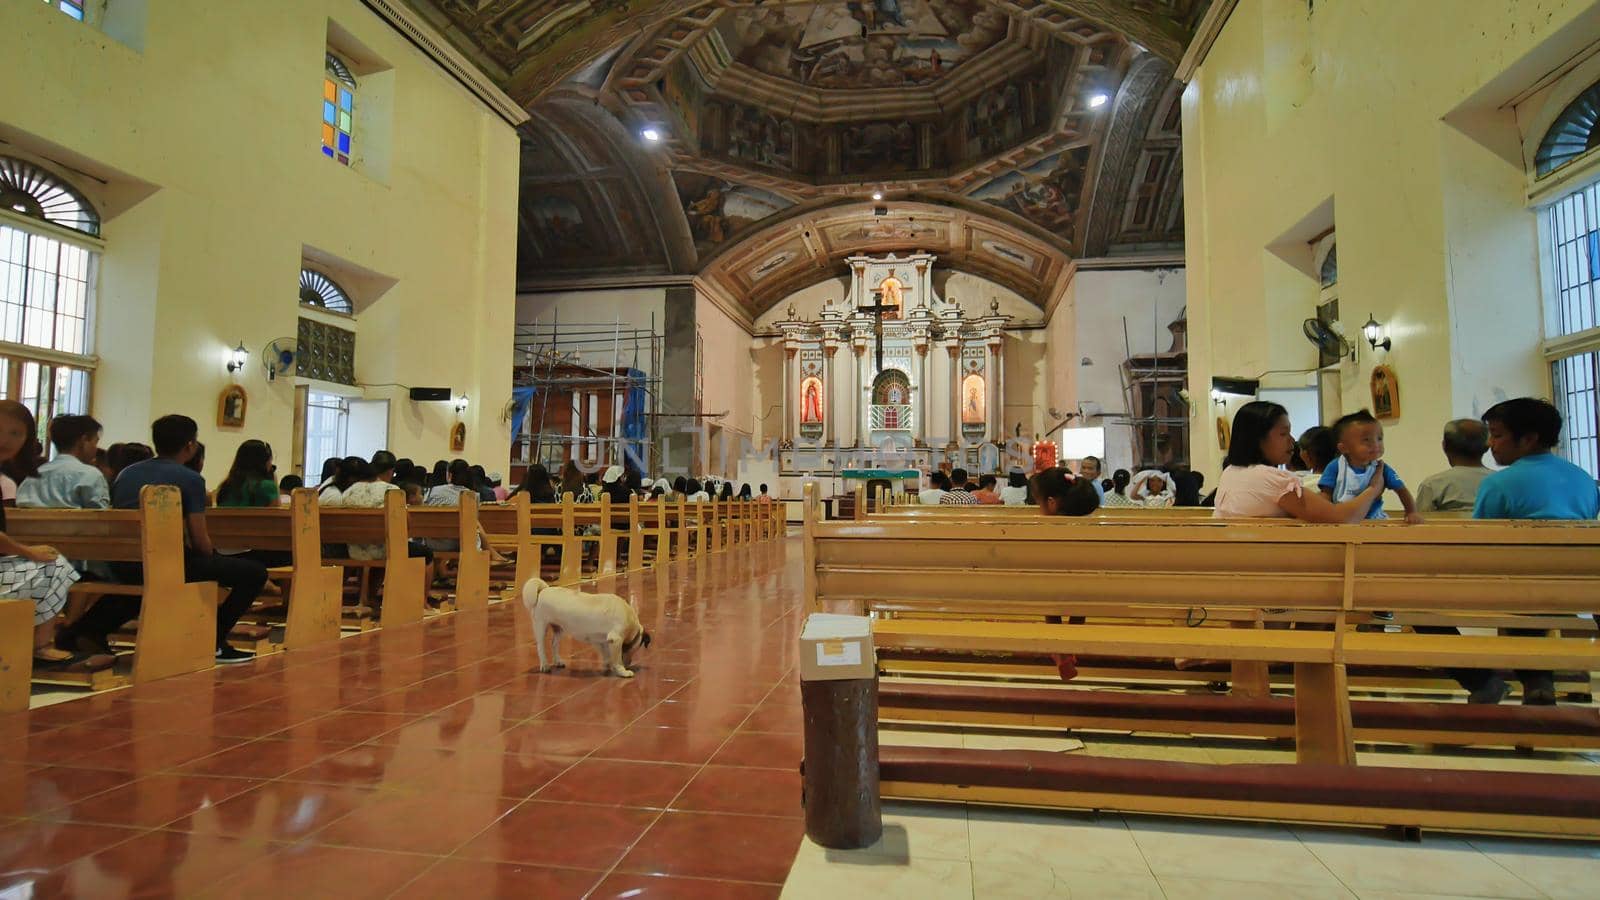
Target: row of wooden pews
pixel 984 599
pixel 323 593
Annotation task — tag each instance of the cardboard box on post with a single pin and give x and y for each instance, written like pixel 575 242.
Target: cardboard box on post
pixel 836 648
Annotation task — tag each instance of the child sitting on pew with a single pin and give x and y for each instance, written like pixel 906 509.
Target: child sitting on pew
pixel 37 573
pixel 1359 438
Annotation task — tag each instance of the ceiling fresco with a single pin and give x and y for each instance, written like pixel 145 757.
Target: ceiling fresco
pixel 1049 128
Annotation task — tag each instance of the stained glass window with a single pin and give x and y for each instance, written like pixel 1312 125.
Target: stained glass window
pixel 338 109
pixel 1573 134
pixel 73 8
pixel 317 289
pixel 32 191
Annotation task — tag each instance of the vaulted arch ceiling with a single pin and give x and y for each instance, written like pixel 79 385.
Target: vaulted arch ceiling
pixel 1056 121
pixel 798 249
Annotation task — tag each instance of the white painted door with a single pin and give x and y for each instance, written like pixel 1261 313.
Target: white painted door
pixel 368 430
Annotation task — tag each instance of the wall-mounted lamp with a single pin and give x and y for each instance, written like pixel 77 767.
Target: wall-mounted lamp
pixel 1372 330
pixel 461 404
pixel 237 357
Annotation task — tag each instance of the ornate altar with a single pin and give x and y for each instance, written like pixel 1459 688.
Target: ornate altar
pixel 917 372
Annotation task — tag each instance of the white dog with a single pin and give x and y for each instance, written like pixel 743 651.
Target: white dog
pixel 605 620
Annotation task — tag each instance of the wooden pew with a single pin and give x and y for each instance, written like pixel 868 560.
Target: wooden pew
pixel 178 620
pixel 459 524
pixel 1077 567
pixel 404 586
pixel 1443 569
pixel 511 528
pixel 315 591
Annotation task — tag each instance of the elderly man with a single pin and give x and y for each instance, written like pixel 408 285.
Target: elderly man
pixel 1456 488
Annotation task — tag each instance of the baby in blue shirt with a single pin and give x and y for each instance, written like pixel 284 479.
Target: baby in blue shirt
pixel 1360 441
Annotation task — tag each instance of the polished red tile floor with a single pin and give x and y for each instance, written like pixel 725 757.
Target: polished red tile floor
pixel 435 761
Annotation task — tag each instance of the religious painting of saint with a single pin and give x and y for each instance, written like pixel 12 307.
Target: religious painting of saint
pixel 972 401
pixel 811 401
pixel 1385 393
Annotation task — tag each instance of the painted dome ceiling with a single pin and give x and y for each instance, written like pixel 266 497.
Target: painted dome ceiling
pixel 1055 122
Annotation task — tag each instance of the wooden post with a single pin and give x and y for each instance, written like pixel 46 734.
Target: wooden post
pixel 178 621
pixel 861 503
pixel 472 563
pixel 635 535
pixel 808 512
pixel 571 547
pixel 317 592
pixel 529 553
pixel 404 579
pixel 683 551
pixel 1249 679
pixel 608 538
pixel 16 654
pixel 1322 731
pixel 840 769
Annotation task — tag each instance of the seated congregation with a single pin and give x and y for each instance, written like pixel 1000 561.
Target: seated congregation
pixel 1321 625
pixel 96 539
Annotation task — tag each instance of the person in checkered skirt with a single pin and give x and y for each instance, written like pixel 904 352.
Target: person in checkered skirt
pixel 37 572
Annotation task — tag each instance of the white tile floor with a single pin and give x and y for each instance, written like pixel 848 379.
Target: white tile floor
pixel 933 851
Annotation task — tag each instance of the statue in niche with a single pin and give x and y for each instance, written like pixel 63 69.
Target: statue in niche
pixel 972 405
pixel 811 401
pixel 891 292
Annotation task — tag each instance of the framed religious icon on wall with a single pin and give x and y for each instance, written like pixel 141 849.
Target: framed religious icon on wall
pixel 231 406
pixel 1224 433
pixel 1385 394
pixel 458 437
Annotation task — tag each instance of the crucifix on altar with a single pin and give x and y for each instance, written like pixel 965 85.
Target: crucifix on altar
pixel 890 298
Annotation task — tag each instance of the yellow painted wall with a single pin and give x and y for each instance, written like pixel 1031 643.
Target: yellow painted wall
pixel 214 124
pixel 1351 114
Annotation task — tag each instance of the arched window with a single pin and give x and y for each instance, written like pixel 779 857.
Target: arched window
pixel 1329 276
pixel 47 279
pixel 338 109
pixel 32 191
pixel 317 289
pixel 1573 134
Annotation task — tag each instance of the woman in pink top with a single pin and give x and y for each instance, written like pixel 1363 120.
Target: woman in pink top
pixel 1253 486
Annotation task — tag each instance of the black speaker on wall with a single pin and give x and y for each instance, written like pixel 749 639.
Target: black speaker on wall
pixel 430 393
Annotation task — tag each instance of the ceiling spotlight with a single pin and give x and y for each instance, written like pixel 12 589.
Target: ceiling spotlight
pixel 1097 100
pixel 653 135
pixel 877 195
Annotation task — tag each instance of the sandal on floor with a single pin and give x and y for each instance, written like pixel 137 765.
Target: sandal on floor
pixel 78 664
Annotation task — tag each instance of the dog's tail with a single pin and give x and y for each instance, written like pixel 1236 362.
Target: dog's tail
pixel 536 586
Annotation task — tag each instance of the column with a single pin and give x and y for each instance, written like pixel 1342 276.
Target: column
pixel 789 412
pixel 858 406
pixel 920 435
pixel 954 347
pixel 992 388
pixel 830 411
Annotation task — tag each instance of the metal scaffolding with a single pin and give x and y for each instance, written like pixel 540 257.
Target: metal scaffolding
pixel 568 358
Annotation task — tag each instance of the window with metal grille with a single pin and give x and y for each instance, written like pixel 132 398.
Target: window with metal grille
pixel 338 109
pixel 1575 261
pixel 1574 379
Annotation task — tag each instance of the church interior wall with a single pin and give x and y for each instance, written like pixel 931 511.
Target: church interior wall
pixel 1434 239
pixel 201 150
pixel 1147 300
pixel 728 384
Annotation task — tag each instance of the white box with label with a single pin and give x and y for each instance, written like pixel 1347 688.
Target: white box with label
pixel 836 648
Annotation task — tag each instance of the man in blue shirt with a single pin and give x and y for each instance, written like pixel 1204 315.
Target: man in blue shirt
pixel 175 443
pixel 1536 484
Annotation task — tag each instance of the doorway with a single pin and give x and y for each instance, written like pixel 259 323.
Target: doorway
pixel 334 426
